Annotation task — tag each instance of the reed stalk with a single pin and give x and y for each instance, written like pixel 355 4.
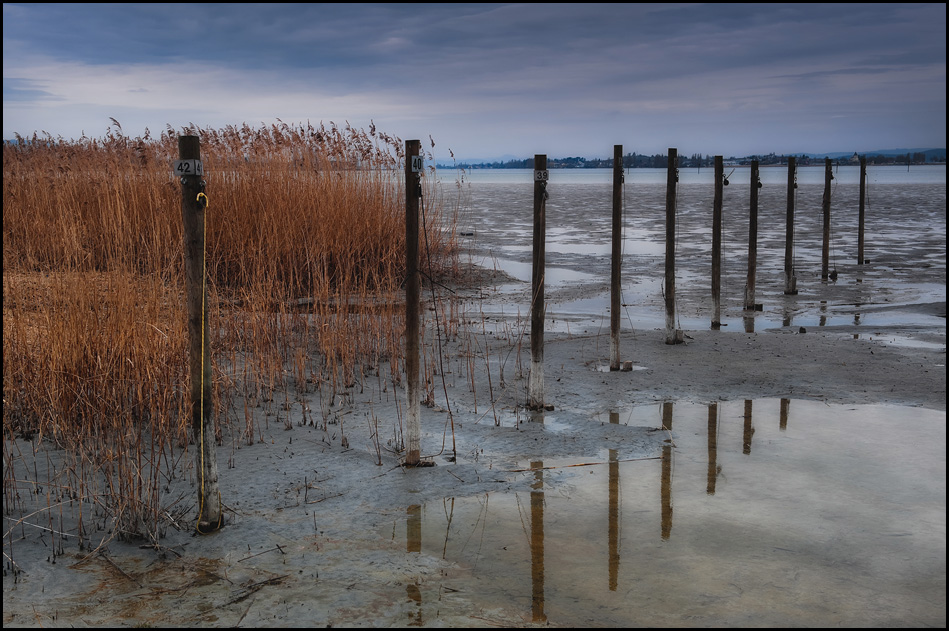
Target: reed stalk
pixel 305 260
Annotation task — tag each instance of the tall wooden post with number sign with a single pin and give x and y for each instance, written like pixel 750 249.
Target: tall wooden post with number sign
pixel 535 385
pixel 862 209
pixel 790 281
pixel 750 304
pixel 617 256
pixel 720 182
pixel 825 205
pixel 194 208
pixel 413 184
pixel 673 335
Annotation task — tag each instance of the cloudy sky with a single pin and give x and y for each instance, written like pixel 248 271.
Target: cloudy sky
pixel 492 80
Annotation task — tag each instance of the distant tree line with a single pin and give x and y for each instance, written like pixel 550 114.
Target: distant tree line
pixel 696 160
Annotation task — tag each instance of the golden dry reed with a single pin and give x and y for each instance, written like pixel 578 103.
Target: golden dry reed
pixel 305 260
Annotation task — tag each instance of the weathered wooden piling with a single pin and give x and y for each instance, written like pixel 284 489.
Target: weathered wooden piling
pixel 752 240
pixel 617 255
pixel 413 184
pixel 790 280
pixel 673 336
pixel 862 211
pixel 535 386
pixel 194 208
pixel 717 243
pixel 825 249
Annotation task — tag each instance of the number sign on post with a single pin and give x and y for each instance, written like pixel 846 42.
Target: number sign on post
pixel 183 168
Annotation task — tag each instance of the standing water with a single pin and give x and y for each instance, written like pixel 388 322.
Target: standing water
pixel 774 513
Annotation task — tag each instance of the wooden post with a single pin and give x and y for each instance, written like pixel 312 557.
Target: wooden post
pixel 194 205
pixel 717 243
pixel 672 177
pixel 752 240
pixel 615 279
pixel 790 280
pixel 535 390
pixel 825 250
pixel 412 296
pixel 862 212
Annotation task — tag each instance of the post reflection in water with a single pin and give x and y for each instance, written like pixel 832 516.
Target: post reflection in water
pixel 749 323
pixel 613 534
pixel 413 529
pixel 415 595
pixel 749 430
pixel 413 543
pixel 568 591
pixel 537 543
pixel 712 448
pixel 666 481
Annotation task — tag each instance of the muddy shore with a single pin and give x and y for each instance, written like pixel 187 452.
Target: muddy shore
pixel 321 531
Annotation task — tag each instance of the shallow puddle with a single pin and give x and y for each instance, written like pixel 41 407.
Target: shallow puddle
pixel 758 513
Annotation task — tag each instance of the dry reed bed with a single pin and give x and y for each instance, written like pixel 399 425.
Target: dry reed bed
pixel 305 261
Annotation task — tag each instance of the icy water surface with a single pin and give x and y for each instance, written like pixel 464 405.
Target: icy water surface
pixel 759 513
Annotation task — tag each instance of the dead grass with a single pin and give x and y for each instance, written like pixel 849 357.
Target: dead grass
pixel 305 260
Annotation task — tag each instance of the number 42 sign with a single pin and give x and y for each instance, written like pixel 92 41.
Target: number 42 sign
pixel 182 168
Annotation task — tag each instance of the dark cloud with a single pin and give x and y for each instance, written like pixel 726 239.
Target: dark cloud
pixel 502 66
pixel 24 90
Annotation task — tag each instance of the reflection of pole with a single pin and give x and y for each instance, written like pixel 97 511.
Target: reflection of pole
pixel 790 281
pixel 412 297
pixel 749 321
pixel 613 520
pixel 666 482
pixel 415 595
pixel 615 281
pixel 672 176
pixel 537 543
pixel 785 408
pixel 535 393
pixel 825 250
pixel 717 243
pixel 749 430
pixel 712 448
pixel 413 529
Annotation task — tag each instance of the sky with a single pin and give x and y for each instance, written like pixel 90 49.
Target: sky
pixel 492 81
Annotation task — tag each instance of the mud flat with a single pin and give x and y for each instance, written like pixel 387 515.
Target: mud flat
pixel 783 471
